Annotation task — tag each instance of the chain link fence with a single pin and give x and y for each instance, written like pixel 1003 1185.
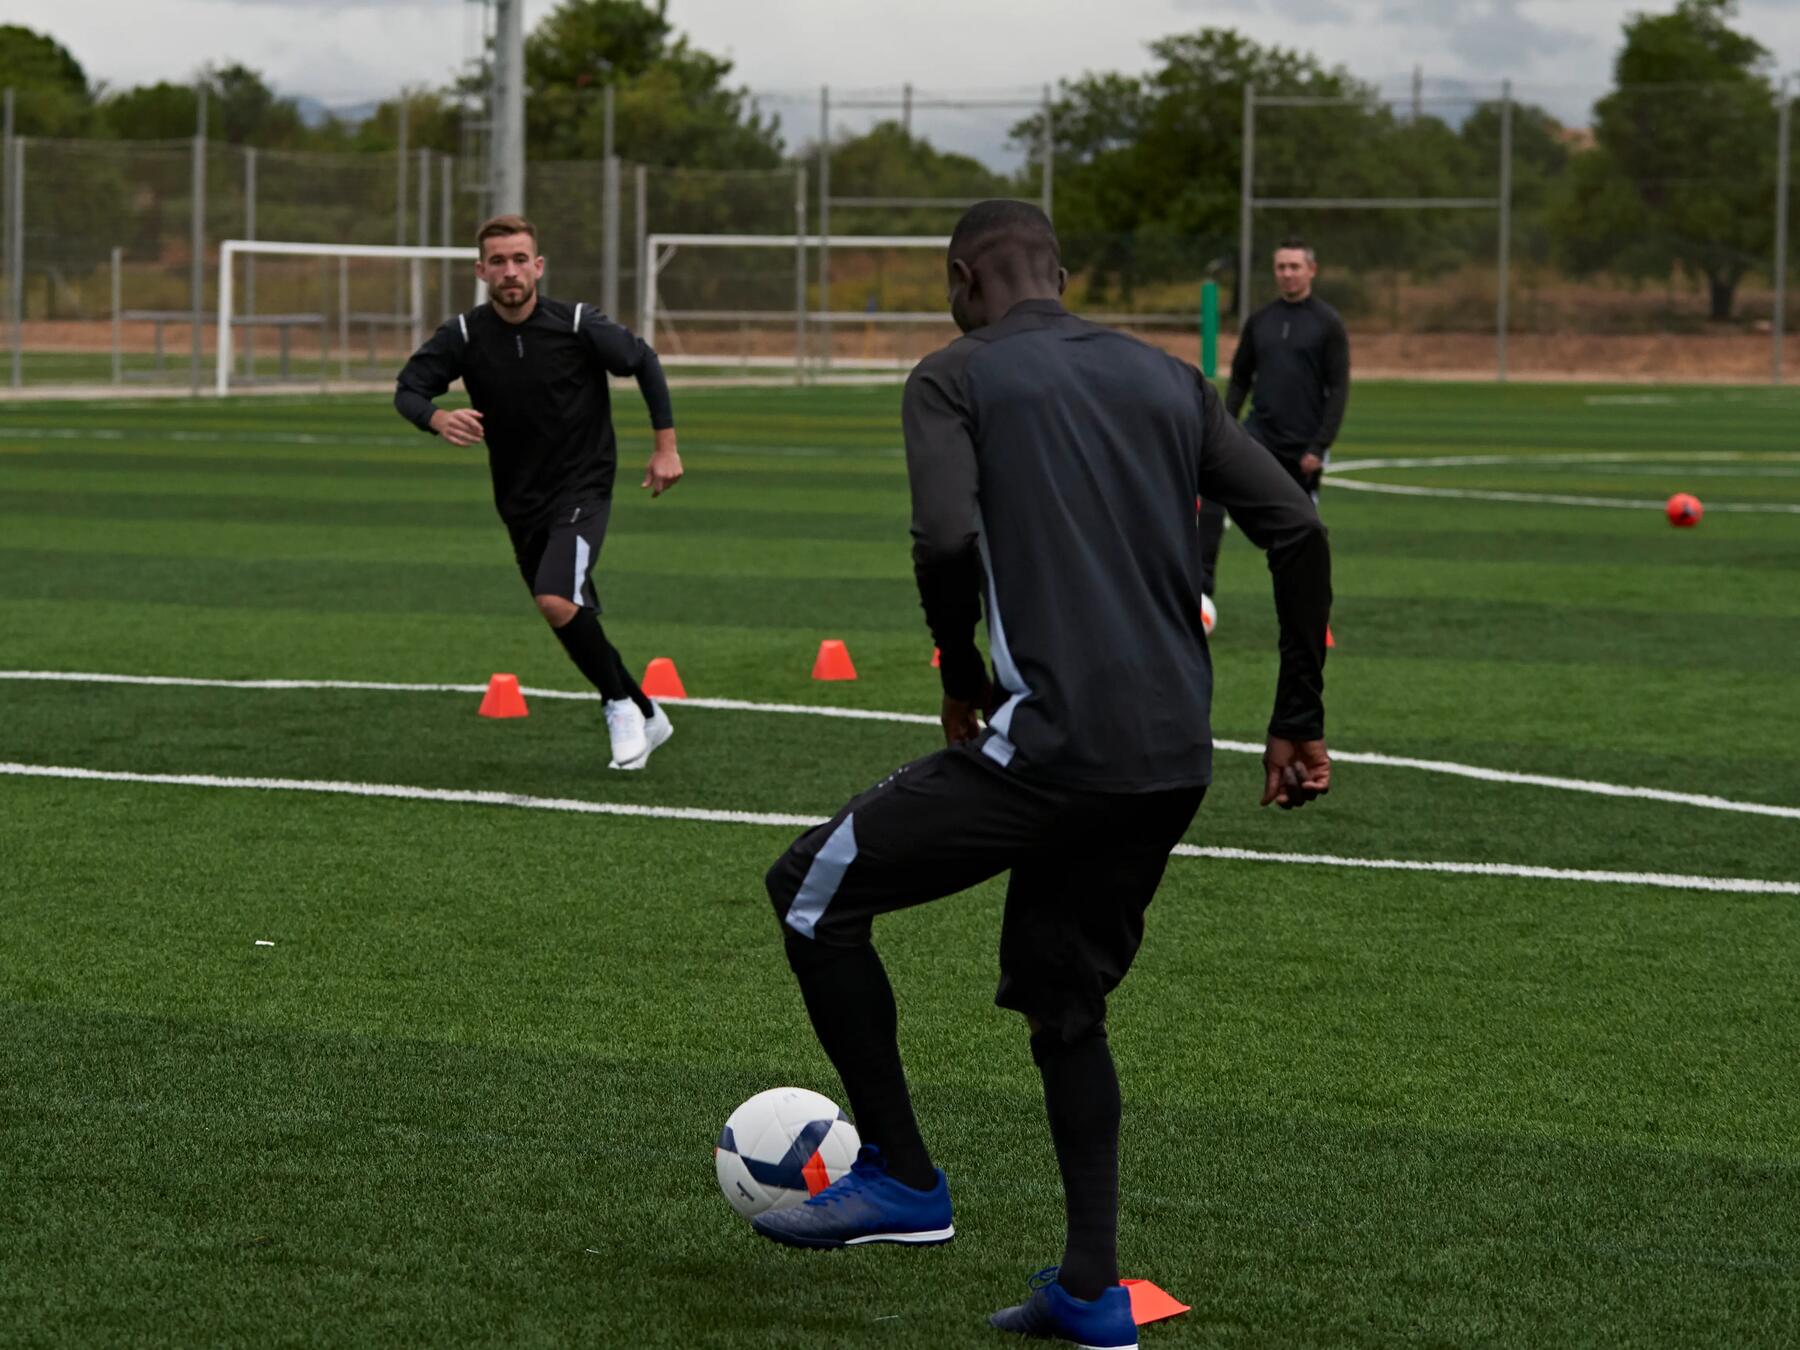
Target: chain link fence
pixel 1658 249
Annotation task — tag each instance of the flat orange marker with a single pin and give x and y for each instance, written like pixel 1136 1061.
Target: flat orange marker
pixel 1150 1304
pixel 662 680
pixel 503 698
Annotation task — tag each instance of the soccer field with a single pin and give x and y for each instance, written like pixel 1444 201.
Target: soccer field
pixel 326 1065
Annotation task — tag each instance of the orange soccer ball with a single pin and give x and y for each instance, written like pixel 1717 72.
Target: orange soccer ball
pixel 1684 509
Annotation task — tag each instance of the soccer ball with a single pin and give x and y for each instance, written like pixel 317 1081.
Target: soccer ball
pixel 1684 509
pixel 1209 614
pixel 780 1147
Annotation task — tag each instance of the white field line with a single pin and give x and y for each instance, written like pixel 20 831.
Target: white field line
pixel 395 791
pixel 1450 767
pixel 1675 460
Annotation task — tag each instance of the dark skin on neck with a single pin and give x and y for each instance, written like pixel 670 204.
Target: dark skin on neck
pixel 997 273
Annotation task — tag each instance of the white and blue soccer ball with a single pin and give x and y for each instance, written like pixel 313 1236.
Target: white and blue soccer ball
pixel 780 1147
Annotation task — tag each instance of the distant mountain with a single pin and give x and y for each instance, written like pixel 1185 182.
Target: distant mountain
pixel 316 112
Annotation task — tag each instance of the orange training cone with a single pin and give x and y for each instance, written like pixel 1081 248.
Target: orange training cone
pixel 833 662
pixel 503 698
pixel 662 680
pixel 1150 1304
pixel 1330 641
pixel 937 659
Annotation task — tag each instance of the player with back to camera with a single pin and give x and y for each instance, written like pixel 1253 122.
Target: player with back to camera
pixel 536 370
pixel 1295 355
pixel 1053 467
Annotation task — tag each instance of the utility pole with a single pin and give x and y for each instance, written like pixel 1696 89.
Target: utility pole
pixel 506 143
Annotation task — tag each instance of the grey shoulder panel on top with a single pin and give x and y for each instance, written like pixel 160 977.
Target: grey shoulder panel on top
pixel 462 322
pixel 576 326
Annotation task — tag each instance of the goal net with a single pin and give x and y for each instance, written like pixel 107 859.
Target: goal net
pixel 332 313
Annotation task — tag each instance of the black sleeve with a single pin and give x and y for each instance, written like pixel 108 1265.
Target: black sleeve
pixel 1279 518
pixel 941 467
pixel 428 374
pixel 622 352
pixel 1337 384
pixel 1243 370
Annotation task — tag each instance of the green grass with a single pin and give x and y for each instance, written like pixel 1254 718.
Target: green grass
pixel 468 1095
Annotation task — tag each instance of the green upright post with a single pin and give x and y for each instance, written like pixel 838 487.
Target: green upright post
pixel 1209 328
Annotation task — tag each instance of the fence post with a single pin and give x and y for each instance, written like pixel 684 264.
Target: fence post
pixel 641 191
pixel 248 343
pixel 1505 257
pixel 118 297
pixel 446 181
pixel 609 237
pixel 16 300
pixel 197 245
pixel 6 215
pixel 1244 213
pixel 824 225
pixel 800 274
pixel 1783 176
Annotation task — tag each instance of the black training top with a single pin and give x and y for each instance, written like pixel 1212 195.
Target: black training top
pixel 1298 356
pixel 541 389
pixel 1062 459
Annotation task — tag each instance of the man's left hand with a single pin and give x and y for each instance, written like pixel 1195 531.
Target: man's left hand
pixel 664 471
pixel 1295 772
pixel 1311 462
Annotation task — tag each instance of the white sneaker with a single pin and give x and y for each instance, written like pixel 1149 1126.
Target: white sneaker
pixel 625 725
pixel 657 729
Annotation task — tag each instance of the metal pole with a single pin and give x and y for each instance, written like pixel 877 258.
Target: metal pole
pixel 506 142
pixel 17 297
pixel 824 223
pixel 343 320
pixel 609 207
pixel 1783 171
pixel 1048 151
pixel 1244 213
pixel 7 242
pixel 118 337
pixel 1505 258
pixel 800 274
pixel 249 342
pixel 640 190
pixel 446 180
pixel 418 279
pixel 400 174
pixel 197 246
pixel 609 236
pixel 906 109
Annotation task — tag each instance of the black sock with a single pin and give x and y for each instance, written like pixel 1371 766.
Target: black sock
pixel 629 685
pixel 1081 1094
pixel 852 1009
pixel 585 641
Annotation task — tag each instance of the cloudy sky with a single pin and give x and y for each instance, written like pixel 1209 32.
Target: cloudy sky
pixel 345 52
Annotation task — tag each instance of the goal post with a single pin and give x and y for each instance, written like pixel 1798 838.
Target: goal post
pixel 334 295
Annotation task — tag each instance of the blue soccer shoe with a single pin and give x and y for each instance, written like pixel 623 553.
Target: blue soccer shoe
pixel 1053 1313
pixel 867 1205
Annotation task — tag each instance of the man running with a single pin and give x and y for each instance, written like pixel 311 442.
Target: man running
pixel 1053 466
pixel 536 370
pixel 1295 355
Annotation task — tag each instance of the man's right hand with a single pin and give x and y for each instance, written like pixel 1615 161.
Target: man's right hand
pixel 962 719
pixel 1294 772
pixel 462 427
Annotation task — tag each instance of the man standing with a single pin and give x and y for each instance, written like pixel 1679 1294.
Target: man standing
pixel 536 370
pixel 1295 355
pixel 1053 466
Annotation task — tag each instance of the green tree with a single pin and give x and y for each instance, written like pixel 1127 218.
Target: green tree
pixel 243 110
pixel 672 104
pixel 163 111
pixel 1149 167
pixel 50 89
pixel 1683 172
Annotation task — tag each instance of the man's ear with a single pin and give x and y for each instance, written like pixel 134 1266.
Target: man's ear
pixel 1062 280
pixel 961 274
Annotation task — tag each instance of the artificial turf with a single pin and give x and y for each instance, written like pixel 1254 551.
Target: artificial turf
pixel 467 1095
